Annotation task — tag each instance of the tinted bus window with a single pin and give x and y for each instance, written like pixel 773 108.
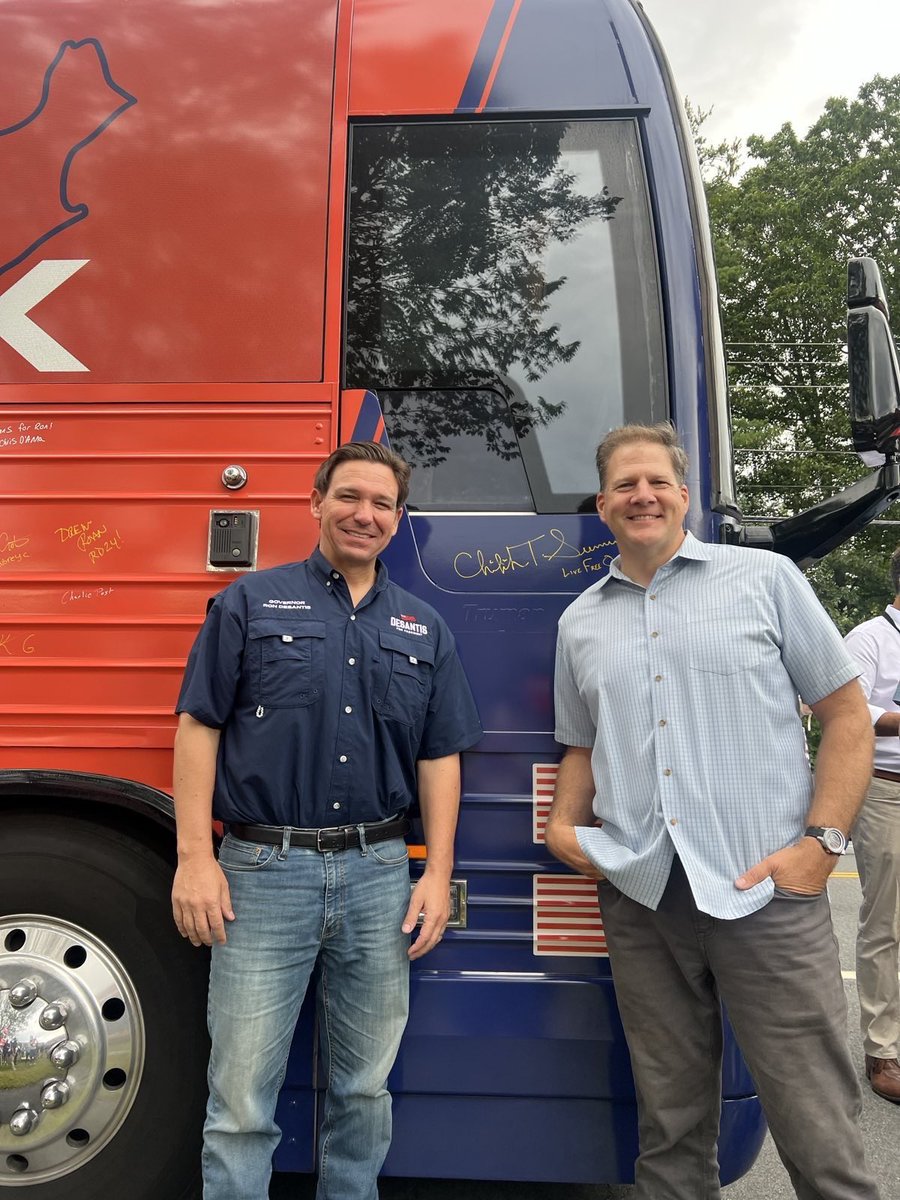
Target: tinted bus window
pixel 503 299
pixel 464 447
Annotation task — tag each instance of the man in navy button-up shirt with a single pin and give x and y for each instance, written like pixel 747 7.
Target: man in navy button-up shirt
pixel 317 695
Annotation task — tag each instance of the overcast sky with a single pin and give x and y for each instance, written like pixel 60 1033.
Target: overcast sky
pixel 759 63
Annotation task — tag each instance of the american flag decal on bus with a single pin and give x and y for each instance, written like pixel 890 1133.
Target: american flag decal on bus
pixel 566 916
pixel 543 781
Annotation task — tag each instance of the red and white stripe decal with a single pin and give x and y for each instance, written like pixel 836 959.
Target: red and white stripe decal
pixel 543 782
pixel 567 917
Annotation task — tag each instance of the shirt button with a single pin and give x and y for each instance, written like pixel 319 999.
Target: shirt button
pixel 348 709
pixel 655 633
pixel 336 805
pixel 672 820
pixel 328 583
pixel 352 662
pixel 662 723
pixel 343 758
pixel 653 596
pixel 334 575
pixel 657 678
pixel 353 617
pixel 667 771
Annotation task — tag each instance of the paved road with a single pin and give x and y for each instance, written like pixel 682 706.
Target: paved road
pixel 768 1179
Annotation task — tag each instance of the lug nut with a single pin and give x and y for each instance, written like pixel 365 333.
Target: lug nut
pixel 23 1120
pixel 65 1055
pixel 54 1015
pixel 23 994
pixel 55 1094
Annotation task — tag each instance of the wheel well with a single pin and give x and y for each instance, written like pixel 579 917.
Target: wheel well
pixel 150 829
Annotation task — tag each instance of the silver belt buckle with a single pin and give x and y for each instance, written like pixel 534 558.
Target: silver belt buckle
pixel 336 830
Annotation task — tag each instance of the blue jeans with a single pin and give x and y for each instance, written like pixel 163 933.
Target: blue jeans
pixel 294 908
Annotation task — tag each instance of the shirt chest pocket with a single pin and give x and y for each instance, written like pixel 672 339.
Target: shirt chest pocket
pixel 289 661
pixel 404 678
pixel 723 647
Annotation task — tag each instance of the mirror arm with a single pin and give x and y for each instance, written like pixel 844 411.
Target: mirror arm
pixel 810 535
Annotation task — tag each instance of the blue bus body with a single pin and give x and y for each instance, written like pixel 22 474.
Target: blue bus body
pixel 514 1064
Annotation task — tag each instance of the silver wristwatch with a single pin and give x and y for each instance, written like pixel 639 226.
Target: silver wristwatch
pixel 829 838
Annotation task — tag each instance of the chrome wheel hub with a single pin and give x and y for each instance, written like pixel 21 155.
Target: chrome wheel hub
pixel 71 1048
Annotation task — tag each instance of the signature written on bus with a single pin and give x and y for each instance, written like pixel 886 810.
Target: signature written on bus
pixel 94 540
pixel 13 645
pixel 546 548
pixel 12 549
pixel 73 595
pixel 25 433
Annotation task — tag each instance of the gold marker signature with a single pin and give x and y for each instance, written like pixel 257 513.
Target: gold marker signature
pixel 535 552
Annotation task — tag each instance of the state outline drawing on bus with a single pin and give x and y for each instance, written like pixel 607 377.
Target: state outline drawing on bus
pixel 473 229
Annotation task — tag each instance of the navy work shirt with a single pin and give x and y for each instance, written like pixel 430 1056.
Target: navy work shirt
pixel 324 708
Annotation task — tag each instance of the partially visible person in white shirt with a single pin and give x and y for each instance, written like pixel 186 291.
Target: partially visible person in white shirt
pixel 875 645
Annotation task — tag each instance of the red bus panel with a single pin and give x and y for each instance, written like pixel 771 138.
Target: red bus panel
pixel 176 157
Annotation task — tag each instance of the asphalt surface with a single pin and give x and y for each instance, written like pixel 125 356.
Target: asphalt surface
pixel 766 1181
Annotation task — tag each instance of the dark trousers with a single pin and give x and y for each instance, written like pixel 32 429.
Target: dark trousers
pixel 778 973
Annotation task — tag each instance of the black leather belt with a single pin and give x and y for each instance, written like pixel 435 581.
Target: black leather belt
pixel 338 837
pixel 880 773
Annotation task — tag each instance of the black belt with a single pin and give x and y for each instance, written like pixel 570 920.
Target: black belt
pixel 338 837
pixel 880 773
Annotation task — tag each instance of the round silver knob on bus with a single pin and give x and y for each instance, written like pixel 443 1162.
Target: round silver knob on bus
pixel 234 477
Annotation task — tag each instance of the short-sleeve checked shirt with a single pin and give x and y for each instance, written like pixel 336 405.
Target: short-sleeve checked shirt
pixel 324 707
pixel 687 693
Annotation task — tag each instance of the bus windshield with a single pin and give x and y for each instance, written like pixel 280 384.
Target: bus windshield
pixel 502 274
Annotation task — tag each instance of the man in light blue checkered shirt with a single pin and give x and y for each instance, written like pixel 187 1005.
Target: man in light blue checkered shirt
pixel 677 679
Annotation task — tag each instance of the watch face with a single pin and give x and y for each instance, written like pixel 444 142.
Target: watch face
pixel 834 840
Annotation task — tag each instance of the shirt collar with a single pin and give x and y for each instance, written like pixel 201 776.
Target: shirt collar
pixel 690 548
pixel 322 570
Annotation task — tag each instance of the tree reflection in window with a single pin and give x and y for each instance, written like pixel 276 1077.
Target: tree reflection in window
pixel 466 243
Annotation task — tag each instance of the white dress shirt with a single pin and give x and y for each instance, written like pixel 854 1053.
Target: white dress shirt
pixel 876 647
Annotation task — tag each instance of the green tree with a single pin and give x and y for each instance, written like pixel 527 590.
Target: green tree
pixel 785 220
pixel 720 162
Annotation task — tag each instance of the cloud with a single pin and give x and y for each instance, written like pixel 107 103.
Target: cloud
pixel 729 57
pixel 764 62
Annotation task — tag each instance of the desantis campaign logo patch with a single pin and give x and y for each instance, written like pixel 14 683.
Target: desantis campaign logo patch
pixel 407 623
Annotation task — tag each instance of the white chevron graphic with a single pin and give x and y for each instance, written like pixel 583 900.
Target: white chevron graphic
pixel 19 331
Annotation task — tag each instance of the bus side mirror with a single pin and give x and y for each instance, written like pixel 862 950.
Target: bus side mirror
pixel 875 420
pixel 872 366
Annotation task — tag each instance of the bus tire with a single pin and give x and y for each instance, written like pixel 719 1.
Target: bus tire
pixel 102 1083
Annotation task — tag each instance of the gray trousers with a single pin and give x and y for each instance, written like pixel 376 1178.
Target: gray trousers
pixel 876 840
pixel 778 973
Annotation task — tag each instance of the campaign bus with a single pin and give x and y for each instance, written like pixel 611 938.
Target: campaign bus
pixel 234 234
